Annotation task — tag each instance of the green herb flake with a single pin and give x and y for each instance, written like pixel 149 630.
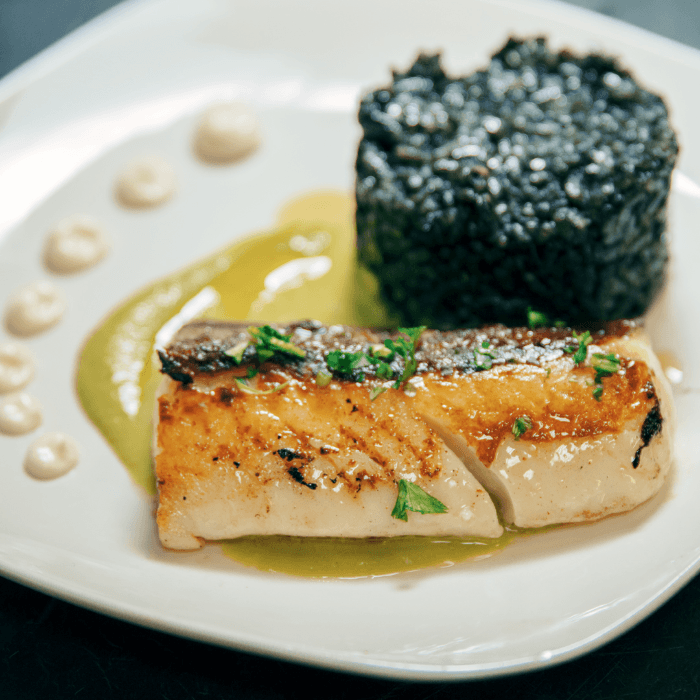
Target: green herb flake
pixel 413 497
pixel 584 340
pixel 236 351
pixel 246 389
pixel 521 426
pixel 487 363
pixel 406 348
pixel 323 378
pixel 269 341
pixel 345 363
pixel 604 365
pixel 376 391
pixel 536 319
pixel 379 351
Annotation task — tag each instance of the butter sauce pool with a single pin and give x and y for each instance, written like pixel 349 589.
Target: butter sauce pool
pixel 304 267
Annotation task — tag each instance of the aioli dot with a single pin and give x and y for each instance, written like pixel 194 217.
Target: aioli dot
pixel 227 133
pixel 34 308
pixel 19 414
pixel 76 243
pixel 16 367
pixel 50 456
pixel 145 183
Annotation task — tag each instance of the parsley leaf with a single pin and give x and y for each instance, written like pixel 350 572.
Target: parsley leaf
pixel 376 391
pixel 584 340
pixel 406 348
pixel 536 319
pixel 345 362
pixel 236 352
pixel 413 497
pixel 521 426
pixel 323 378
pixel 269 341
pixel 604 366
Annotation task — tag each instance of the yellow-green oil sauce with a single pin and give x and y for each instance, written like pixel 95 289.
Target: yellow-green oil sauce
pixel 304 267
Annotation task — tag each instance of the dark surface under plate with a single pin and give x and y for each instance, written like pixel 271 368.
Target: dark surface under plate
pixel 52 649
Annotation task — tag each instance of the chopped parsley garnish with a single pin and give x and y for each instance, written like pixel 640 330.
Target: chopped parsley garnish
pixel 236 352
pixel 584 340
pixel 484 351
pixel 521 426
pixel 604 366
pixel 381 358
pixel 406 348
pixel 345 362
pixel 376 391
pixel 323 378
pixel 269 341
pixel 246 389
pixel 536 319
pixel 413 497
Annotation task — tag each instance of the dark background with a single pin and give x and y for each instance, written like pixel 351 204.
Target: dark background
pixel 51 649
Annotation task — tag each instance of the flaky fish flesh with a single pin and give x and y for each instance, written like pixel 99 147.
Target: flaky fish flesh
pixel 316 432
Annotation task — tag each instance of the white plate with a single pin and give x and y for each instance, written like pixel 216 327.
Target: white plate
pixel 132 82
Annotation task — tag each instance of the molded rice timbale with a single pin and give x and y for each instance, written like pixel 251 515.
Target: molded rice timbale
pixel 539 182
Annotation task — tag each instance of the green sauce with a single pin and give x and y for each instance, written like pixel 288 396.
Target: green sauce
pixel 118 372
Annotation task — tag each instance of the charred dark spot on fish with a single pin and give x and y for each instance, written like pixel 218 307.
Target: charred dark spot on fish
pixel 652 426
pixel 214 459
pixel 236 464
pixel 225 396
pixel 164 410
pixel 354 409
pixel 289 455
pixel 299 478
pixel 348 401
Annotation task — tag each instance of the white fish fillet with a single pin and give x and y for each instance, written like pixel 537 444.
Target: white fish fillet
pixel 325 461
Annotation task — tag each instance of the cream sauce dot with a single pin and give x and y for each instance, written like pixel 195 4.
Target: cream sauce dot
pixel 227 133
pixel 50 456
pixel 34 308
pixel 76 243
pixel 19 414
pixel 145 183
pixel 16 367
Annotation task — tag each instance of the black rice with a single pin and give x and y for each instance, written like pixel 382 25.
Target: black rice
pixel 538 182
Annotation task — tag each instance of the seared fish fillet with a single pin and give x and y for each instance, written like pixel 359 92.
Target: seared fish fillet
pixel 515 413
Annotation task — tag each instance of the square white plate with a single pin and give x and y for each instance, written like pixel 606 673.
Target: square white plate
pixel 132 82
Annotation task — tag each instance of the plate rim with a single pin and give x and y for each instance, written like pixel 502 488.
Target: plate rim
pixel 79 41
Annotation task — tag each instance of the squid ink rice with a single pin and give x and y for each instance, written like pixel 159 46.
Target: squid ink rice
pixel 538 182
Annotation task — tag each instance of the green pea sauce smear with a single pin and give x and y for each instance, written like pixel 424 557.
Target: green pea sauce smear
pixel 303 267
